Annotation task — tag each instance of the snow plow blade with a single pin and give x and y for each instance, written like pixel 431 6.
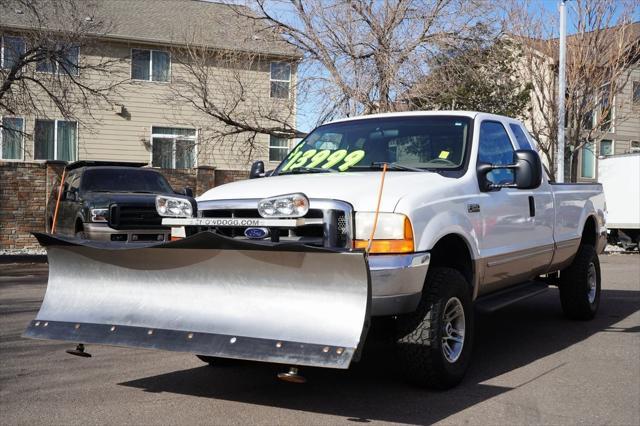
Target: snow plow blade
pixel 208 295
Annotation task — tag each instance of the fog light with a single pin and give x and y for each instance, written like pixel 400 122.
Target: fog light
pixel 118 237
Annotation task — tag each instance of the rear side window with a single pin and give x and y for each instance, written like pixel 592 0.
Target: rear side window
pixel 495 148
pixel 523 142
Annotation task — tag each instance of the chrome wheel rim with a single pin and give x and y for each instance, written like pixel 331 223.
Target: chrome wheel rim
pixel 592 279
pixel 453 330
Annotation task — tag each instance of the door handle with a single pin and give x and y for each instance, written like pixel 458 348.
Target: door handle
pixel 532 206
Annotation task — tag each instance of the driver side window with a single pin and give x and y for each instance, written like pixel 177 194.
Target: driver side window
pixel 496 148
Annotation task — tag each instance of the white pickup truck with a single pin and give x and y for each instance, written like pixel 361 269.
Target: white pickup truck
pixel 408 218
pixel 466 214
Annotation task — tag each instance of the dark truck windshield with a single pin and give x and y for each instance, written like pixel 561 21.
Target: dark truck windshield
pixel 124 180
pixel 421 142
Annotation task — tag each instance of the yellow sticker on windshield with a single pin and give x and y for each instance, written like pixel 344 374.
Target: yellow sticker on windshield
pixel 444 155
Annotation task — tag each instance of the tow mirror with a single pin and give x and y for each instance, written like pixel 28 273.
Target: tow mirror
pixel 527 170
pixel 257 170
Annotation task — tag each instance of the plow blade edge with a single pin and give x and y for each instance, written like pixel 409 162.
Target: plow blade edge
pixel 209 295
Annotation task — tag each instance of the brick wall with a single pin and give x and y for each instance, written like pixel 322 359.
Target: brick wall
pixel 25 189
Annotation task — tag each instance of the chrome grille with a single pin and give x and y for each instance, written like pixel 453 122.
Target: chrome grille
pixel 335 231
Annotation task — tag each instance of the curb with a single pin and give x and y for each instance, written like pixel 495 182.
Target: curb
pixel 23 258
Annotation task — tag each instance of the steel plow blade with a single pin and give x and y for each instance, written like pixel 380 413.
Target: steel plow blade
pixel 209 295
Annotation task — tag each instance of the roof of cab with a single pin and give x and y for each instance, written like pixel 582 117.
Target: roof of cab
pixel 470 114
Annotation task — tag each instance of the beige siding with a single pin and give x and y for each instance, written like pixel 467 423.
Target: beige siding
pixel 148 103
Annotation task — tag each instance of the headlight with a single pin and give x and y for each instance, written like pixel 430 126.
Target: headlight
pixel 173 207
pixel 289 205
pixel 99 215
pixel 393 234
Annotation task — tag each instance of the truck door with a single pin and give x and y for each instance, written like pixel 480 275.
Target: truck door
pixel 516 235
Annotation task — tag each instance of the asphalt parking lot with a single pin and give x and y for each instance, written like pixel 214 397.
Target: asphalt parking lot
pixel 530 366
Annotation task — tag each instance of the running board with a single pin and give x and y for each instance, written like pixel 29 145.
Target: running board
pixel 502 298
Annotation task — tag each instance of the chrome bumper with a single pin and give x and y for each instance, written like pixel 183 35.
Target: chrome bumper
pixel 396 282
pixel 103 232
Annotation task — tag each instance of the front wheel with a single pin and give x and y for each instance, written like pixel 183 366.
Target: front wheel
pixel 434 343
pixel 580 285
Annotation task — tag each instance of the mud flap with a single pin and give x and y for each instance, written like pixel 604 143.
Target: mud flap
pixel 209 295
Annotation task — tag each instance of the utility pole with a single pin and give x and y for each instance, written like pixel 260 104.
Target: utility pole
pixel 561 92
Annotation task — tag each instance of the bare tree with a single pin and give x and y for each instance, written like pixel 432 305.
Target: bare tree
pixel 361 55
pixel 43 73
pixel 601 48
pixel 227 90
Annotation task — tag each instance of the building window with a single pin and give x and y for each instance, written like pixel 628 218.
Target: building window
pixel 606 109
pixel 635 147
pixel 55 140
pixel 173 148
pixel 62 60
pixel 606 147
pixel 280 79
pixel 588 168
pixel 636 92
pixel 10 50
pixel 11 138
pixel 150 65
pixel 278 148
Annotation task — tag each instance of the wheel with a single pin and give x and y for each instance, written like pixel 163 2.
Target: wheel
pixel 434 343
pixel 215 361
pixel 80 231
pixel 580 285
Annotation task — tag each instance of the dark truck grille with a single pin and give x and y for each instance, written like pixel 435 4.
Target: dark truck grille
pixel 134 217
pixel 321 235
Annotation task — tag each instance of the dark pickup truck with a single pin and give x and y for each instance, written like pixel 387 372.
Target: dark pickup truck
pixel 111 203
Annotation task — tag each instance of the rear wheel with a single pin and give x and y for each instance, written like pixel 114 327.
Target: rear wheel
pixel 434 343
pixel 580 285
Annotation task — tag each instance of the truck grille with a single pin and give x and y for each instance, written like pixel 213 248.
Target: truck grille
pixel 333 232
pixel 134 217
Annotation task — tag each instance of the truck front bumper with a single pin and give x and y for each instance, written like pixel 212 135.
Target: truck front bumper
pixel 397 281
pixel 103 232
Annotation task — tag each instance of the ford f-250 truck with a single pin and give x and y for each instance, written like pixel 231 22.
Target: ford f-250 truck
pixel 451 209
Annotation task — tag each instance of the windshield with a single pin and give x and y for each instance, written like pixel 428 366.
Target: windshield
pixel 416 142
pixel 124 180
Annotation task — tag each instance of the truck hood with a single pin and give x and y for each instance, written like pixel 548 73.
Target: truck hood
pixel 360 189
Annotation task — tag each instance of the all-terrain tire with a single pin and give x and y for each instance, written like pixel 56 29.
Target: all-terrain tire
pixel 580 285
pixel 424 357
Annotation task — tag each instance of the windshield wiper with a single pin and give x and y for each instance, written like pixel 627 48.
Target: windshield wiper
pixel 308 170
pixel 396 166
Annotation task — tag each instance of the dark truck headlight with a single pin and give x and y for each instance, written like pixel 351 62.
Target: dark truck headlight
pixel 99 215
pixel 173 207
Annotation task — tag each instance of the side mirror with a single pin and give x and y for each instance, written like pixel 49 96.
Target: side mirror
pixel 527 170
pixel 70 194
pixel 188 192
pixel 257 170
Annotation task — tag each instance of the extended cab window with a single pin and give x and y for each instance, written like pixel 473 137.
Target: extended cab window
pixel 523 142
pixel 418 142
pixel 124 180
pixel 496 148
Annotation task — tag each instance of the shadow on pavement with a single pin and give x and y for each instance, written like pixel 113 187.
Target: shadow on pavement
pixel 505 341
